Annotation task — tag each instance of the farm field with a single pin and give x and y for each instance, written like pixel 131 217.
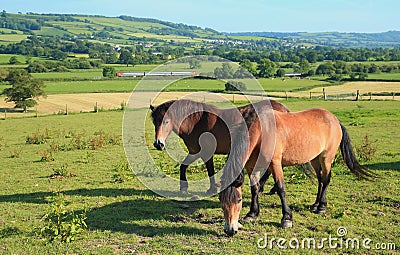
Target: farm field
pixel 123 216
pixel 273 85
pixel 364 87
pixel 384 76
pixel 348 90
pixel 86 82
pixel 86 102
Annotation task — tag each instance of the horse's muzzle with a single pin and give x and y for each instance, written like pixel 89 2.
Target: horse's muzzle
pixel 230 232
pixel 232 229
pixel 159 145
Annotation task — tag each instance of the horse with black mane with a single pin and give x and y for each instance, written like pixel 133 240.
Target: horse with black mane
pixel 190 120
pixel 274 140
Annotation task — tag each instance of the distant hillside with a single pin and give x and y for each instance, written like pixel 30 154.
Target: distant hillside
pixel 124 30
pixel 385 39
pixel 115 29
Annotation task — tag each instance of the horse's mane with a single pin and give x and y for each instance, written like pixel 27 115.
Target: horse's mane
pixel 232 175
pixel 185 112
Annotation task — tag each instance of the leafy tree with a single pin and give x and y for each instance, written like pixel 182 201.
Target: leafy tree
pixel 235 86
pixel 280 72
pixel 109 71
pixel 312 56
pixel 246 63
pixel 13 60
pixel 304 66
pixel 194 63
pixel 37 67
pixel 242 73
pixel 224 72
pixel 266 68
pixel 24 89
pixel 325 69
pixel 126 58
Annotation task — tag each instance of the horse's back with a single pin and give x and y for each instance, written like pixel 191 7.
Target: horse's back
pixel 301 136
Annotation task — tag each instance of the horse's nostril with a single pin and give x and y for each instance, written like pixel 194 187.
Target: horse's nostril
pixel 159 145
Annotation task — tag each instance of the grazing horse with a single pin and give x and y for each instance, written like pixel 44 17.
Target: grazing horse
pixel 190 120
pixel 299 137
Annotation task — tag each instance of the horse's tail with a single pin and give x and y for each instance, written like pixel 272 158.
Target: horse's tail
pixel 350 158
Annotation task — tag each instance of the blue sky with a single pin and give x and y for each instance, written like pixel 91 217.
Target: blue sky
pixel 239 15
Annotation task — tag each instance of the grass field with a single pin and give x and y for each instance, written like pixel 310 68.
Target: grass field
pixel 384 76
pixel 11 38
pixel 124 85
pixel 273 85
pixel 125 217
pixel 66 87
pixel 5 58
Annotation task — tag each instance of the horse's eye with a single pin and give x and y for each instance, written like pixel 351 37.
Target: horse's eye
pixel 166 122
pixel 239 200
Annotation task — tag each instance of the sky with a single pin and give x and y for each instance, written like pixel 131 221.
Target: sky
pixel 368 16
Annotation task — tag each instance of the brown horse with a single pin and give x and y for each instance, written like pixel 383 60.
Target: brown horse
pixel 190 120
pixel 311 135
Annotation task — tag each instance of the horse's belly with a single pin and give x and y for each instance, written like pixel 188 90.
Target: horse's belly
pixel 296 155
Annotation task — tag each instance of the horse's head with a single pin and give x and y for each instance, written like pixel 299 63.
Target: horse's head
pixel 162 124
pixel 231 202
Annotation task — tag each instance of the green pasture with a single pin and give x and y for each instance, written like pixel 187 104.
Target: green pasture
pixel 128 84
pixel 384 76
pixel 124 217
pixel 51 31
pixel 12 38
pixel 5 58
pixel 72 75
pixel 289 84
pixel 98 86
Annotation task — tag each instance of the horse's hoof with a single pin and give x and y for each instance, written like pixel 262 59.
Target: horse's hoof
pixel 314 208
pixel 320 210
pixel 249 218
pixel 286 224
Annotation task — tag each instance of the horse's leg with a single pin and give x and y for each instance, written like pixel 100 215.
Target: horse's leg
pixel 183 181
pixel 317 167
pixel 287 218
pixel 190 158
pixel 210 170
pixel 325 179
pixel 255 190
pixel 263 179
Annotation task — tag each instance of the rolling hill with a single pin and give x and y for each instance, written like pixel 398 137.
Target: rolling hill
pixel 16 27
pixel 385 39
pixel 125 29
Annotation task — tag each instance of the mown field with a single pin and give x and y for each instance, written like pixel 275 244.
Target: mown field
pixel 124 217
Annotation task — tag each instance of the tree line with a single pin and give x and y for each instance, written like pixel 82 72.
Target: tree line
pixel 58 49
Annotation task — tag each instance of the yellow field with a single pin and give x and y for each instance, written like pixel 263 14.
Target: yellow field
pixel 86 102
pixel 364 87
pixel 349 88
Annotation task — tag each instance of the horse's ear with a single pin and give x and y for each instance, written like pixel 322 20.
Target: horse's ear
pixel 152 108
